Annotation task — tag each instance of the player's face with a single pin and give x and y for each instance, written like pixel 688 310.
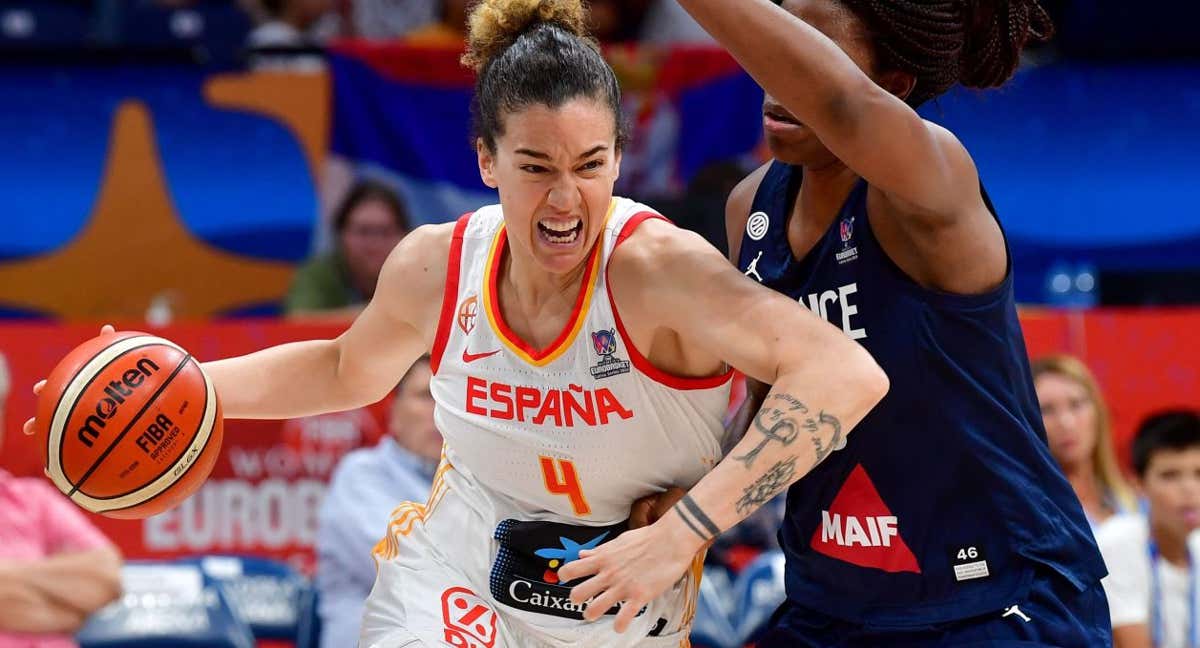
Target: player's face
pixel 1069 414
pixel 411 422
pixel 555 169
pixel 1172 487
pixel 790 140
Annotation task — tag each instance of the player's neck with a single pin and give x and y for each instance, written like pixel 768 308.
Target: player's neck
pixel 533 288
pixel 823 191
pixel 1172 545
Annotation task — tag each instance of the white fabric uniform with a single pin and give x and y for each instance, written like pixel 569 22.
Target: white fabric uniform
pixel 573 433
pixel 1124 541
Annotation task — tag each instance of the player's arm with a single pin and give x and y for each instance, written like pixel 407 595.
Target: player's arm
pixel 922 168
pixel 362 365
pixel 864 125
pixel 824 384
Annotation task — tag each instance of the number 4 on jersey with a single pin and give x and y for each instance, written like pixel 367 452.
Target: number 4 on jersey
pixel 563 480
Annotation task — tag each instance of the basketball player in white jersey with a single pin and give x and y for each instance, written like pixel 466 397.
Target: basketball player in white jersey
pixel 581 347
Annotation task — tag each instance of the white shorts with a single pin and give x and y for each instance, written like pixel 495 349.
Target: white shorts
pixel 434 587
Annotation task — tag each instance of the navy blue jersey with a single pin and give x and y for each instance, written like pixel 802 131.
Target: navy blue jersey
pixel 945 499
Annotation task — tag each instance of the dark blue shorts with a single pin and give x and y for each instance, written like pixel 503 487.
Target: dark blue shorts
pixel 1054 613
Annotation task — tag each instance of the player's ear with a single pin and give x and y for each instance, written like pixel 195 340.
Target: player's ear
pixel 487 163
pixel 898 83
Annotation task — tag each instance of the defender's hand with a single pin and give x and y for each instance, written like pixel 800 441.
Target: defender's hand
pixel 649 509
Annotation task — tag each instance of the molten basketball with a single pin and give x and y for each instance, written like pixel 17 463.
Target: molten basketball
pixel 129 425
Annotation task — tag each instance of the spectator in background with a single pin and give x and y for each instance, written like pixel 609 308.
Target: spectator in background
pixel 367 486
pixel 290 36
pixel 56 569
pixel 391 19
pixel 1080 436
pixel 449 31
pixel 368 223
pixel 1151 558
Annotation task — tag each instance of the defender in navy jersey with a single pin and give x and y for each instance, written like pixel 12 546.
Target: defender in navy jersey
pixel 944 521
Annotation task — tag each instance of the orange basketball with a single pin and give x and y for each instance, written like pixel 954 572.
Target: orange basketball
pixel 129 425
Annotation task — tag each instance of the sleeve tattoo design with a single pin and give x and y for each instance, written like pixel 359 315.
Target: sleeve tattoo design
pixel 782 419
pixel 766 487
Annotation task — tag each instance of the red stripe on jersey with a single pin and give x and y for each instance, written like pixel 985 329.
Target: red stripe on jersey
pixel 635 356
pixel 574 321
pixel 450 294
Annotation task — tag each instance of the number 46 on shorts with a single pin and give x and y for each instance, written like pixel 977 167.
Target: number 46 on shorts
pixel 560 478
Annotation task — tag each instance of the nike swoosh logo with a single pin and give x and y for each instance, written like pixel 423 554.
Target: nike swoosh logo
pixel 468 358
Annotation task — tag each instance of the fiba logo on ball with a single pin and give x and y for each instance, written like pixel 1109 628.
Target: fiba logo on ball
pixel 757 226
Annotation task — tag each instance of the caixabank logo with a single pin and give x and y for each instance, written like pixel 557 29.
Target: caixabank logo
pixel 525 574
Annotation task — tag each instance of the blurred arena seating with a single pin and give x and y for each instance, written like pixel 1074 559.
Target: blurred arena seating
pixel 167 606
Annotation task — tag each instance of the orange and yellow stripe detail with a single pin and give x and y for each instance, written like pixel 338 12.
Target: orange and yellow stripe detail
pixel 692 592
pixel 408 514
pixel 578 316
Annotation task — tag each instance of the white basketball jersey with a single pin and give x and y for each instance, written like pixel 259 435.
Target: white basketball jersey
pixel 574 432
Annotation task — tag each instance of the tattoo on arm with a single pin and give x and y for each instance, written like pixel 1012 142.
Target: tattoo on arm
pixel 784 425
pixel 835 441
pixel 766 487
pixel 774 426
pixel 696 519
pixel 794 404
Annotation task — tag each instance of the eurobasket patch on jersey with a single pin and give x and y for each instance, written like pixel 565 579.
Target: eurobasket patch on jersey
pixel 605 343
pixel 848 252
pixel 859 529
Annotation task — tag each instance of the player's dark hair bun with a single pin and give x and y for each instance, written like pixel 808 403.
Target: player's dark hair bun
pixel 496 24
